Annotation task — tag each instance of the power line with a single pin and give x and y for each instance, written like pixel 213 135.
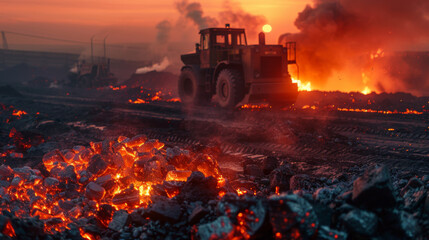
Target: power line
pixel 46 38
pixel 70 41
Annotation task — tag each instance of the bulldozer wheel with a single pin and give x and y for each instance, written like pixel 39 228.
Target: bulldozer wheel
pixel 190 91
pixel 229 88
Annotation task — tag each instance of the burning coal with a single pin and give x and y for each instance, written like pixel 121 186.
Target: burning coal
pixel 338 38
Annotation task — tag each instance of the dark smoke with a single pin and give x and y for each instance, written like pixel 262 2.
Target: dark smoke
pixel 338 36
pixel 194 12
pixel 232 13
pixel 236 16
pixel 164 31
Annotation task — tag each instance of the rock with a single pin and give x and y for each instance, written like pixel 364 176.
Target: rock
pixel 5 171
pixel 324 195
pixel 280 177
pixel 16 181
pixel 250 213
pixel 105 212
pixel 51 182
pixel 361 222
pixel 198 213
pixel 94 191
pixel 406 225
pixel 119 220
pixel 167 211
pixel 97 165
pixel 66 205
pixel 198 188
pixel 178 157
pixel 373 185
pixel 221 228
pixel 291 214
pixel 128 196
pixel 303 182
pixel 136 141
pixel 427 204
pixel 68 173
pixel 253 170
pixel 326 233
pixel 269 164
pixel 150 168
pixel 414 194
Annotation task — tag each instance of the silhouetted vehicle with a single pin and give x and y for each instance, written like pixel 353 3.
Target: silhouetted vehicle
pixel 237 73
pixel 89 75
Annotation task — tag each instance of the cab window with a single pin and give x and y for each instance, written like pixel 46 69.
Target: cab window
pixel 205 41
pixel 241 39
pixel 220 40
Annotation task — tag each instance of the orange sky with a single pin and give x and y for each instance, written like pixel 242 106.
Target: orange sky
pixel 125 20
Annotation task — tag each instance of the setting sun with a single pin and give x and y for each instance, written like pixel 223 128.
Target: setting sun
pixel 267 28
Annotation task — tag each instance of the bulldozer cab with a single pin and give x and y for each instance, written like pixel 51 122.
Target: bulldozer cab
pixel 220 44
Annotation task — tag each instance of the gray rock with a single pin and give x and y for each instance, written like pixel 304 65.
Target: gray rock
pixel 326 233
pixel 361 222
pixel 221 228
pixel 324 195
pixel 373 185
pixel 94 191
pixel 414 193
pixel 167 210
pixel 280 177
pixel 68 173
pixel 408 225
pixel 198 213
pixel 97 165
pixel 51 182
pixel 290 213
pixel 119 220
pixel 303 182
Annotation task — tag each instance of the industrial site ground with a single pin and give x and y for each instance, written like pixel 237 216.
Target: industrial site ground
pixel 357 170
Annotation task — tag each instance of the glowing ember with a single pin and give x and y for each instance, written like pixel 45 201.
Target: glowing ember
pixel 122 87
pixel 18 113
pixel 120 173
pixel 302 86
pixel 158 96
pixel 137 101
pixel 408 111
pixel 255 106
pixel 8 230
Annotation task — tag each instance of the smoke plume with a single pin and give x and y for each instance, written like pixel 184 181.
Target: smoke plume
pixel 194 12
pixel 232 13
pixel 164 31
pixel 337 38
pixel 155 67
pixel 236 16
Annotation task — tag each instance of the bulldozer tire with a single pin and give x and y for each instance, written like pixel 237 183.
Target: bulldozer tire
pixel 190 90
pixel 229 88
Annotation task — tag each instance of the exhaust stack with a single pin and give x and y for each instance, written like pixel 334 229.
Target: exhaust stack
pixel 262 38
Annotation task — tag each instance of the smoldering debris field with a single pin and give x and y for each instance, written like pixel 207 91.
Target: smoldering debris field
pixel 132 163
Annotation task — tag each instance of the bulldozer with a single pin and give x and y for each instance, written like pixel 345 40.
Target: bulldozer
pixel 224 66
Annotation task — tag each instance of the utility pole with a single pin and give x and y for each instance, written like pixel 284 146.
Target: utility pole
pixel 104 44
pixel 92 50
pixel 5 46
